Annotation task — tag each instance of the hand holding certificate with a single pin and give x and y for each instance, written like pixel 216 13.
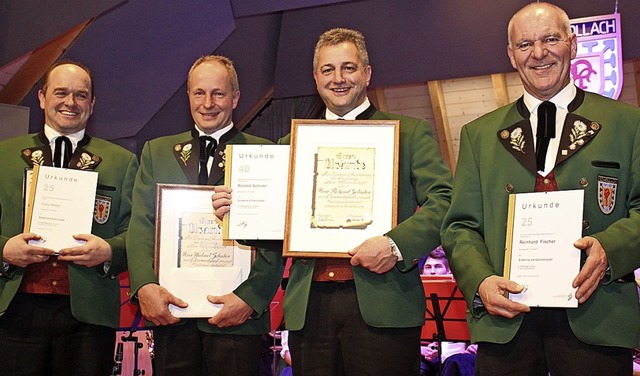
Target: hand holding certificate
pixel 191 258
pixel 541 230
pixel 60 203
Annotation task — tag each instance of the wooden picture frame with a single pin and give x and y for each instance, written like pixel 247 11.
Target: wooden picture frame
pixel 342 185
pixel 191 259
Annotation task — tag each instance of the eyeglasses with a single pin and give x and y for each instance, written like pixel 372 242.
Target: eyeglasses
pixel 526 45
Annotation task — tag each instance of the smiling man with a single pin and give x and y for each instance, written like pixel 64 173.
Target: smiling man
pixel 363 315
pixel 228 343
pixel 58 314
pixel 592 144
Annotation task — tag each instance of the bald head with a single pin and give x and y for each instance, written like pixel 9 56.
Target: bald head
pixel 535 10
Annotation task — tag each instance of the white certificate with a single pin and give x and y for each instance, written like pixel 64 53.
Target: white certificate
pixel 540 255
pixel 60 204
pixel 257 175
pixel 191 258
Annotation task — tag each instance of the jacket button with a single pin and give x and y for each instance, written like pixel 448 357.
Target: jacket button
pixel 509 188
pixel 586 224
pixel 584 182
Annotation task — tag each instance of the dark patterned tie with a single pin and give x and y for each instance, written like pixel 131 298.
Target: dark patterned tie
pixel 546 131
pixel 61 157
pixel 207 144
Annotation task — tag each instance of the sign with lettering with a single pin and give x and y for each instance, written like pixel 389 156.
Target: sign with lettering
pixel 597 66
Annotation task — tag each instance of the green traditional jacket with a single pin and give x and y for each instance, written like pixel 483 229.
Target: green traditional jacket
pixel 599 146
pixel 394 299
pixel 174 160
pixel 95 293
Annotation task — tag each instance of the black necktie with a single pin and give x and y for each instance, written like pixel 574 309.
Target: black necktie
pixel 207 144
pixel 60 158
pixel 546 130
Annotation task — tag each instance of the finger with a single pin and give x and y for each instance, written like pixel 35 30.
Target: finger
pixel 584 292
pixel 83 237
pixel 178 302
pixel 44 251
pixel 222 188
pixel 215 299
pixel 587 270
pixel 222 210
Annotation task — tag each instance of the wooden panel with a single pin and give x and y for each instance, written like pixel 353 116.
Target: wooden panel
pixel 467 83
pixel 500 89
pixel 403 91
pixel 406 102
pixel 441 124
pixel 469 96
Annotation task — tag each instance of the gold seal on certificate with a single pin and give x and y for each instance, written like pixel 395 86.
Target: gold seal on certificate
pixel 59 204
pixel 541 230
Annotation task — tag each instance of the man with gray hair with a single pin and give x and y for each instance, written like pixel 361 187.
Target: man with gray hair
pixel 591 143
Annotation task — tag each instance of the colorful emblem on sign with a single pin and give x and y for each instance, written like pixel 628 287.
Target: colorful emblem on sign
pixel 597 66
pixel 607 192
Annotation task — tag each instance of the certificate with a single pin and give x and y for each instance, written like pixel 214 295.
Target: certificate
pixel 541 230
pixel 342 185
pixel 258 176
pixel 191 258
pixel 59 204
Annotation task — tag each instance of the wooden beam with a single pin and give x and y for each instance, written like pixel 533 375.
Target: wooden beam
pixel 378 99
pixel 34 68
pixel 499 81
pixel 442 124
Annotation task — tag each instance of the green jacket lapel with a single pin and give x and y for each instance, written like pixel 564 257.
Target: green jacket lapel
pixel 38 155
pixel 186 154
pixel 518 138
pixel 83 159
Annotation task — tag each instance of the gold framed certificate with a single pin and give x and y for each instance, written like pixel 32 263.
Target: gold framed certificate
pixel 541 230
pixel 342 185
pixel 59 204
pixel 191 258
pixel 258 175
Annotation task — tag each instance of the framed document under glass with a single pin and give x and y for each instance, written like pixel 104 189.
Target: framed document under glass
pixel 191 258
pixel 342 185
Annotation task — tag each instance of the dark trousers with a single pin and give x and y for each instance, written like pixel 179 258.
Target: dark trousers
pixel 545 344
pixel 183 350
pixel 39 336
pixel 336 341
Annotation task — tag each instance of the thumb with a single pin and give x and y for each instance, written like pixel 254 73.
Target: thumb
pixel 178 302
pixel 214 299
pixel 515 287
pixel 582 243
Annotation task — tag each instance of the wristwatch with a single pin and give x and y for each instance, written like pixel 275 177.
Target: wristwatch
pixel 394 248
